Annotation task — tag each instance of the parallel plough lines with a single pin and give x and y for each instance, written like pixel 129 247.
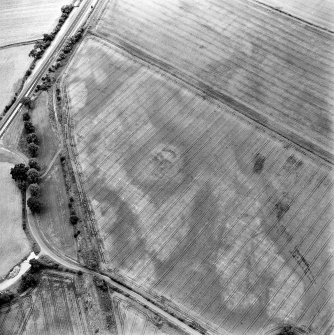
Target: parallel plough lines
pixel 123 120
pixel 320 77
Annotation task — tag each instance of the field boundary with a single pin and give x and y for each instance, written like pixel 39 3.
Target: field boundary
pixel 237 107
pixel 291 16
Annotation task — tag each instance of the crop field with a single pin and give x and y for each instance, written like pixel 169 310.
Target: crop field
pixel 13 64
pixel 195 203
pixel 240 51
pixel 14 245
pixel 55 307
pixel 133 319
pixel 320 13
pixel 23 20
pixel 53 222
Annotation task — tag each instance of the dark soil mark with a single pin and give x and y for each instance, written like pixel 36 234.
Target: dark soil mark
pixel 259 163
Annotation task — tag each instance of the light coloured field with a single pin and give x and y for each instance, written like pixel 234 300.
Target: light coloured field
pixel 320 13
pixel 14 245
pixel 280 68
pixel 56 306
pixel 184 210
pixel 23 20
pixel 13 64
pixel 133 319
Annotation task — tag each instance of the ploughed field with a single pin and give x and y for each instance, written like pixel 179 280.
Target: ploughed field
pixel 23 20
pixel 281 68
pixel 133 319
pixel 320 13
pixel 196 204
pixel 56 306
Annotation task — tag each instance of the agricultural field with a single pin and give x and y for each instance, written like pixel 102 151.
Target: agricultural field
pixel 133 319
pixel 13 64
pixel 241 52
pixel 196 204
pixel 59 305
pixel 14 245
pixel 23 20
pixel 320 13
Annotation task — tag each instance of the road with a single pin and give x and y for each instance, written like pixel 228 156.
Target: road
pixel 77 17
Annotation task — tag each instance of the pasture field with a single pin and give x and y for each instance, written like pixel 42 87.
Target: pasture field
pixel 196 204
pixel 14 245
pixel 59 305
pixel 247 54
pixel 23 20
pixel 13 64
pixel 320 13
pixel 133 319
pixel 53 223
pixel 49 142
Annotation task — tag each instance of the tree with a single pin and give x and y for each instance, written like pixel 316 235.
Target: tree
pixel 33 164
pixel 27 102
pixel 33 138
pixel 6 297
pixel 29 127
pixel 74 219
pixel 19 172
pixel 32 176
pixel 33 149
pixel 34 205
pixel 35 190
pixel 26 116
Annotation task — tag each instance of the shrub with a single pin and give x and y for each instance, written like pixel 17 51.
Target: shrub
pixel 34 205
pixel 32 138
pixel 6 297
pixel 29 127
pixel 35 190
pixel 32 176
pixel 28 280
pixel 74 219
pixel 33 149
pixel 33 164
pixel 26 116
pixel 19 172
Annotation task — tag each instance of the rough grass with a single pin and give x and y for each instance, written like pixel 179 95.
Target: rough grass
pixel 14 245
pixel 181 210
pixel 53 222
pixel 48 140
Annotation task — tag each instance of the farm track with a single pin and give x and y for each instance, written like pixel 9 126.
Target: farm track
pixel 313 150
pixel 18 44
